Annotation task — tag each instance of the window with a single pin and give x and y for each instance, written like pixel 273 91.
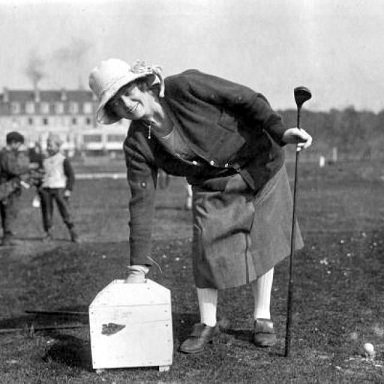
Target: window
pixel 115 138
pixel 30 107
pixel 15 107
pixel 88 121
pixel 30 121
pixel 92 138
pixel 73 107
pixel 44 107
pixel 59 108
pixel 87 108
pixel 45 121
pixel 74 121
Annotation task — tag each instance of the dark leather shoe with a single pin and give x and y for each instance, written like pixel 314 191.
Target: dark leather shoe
pixel 264 334
pixel 201 336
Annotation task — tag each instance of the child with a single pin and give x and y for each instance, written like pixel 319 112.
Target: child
pixel 13 163
pixel 57 185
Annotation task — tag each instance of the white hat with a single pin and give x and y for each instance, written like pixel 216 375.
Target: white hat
pixel 112 74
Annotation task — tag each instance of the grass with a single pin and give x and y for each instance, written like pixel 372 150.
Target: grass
pixel 339 288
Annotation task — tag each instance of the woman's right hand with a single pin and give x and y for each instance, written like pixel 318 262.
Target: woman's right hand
pixel 298 136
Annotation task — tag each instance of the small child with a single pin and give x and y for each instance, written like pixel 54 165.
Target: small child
pixel 57 185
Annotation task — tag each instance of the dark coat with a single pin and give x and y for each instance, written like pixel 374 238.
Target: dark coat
pixel 12 165
pixel 8 187
pixel 228 126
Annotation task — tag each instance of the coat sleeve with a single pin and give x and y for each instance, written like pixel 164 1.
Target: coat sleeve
pixel 8 187
pixel 252 106
pixel 142 177
pixel 69 173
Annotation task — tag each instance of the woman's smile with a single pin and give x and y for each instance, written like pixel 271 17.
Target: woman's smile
pixel 133 109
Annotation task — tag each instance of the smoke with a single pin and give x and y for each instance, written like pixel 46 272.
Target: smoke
pixel 73 55
pixel 35 69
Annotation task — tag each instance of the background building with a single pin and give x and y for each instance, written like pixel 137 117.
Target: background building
pixel 68 113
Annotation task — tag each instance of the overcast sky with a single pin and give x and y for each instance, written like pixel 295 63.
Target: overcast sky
pixel 333 47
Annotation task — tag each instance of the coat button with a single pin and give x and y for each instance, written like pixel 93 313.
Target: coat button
pixel 212 162
pixel 226 165
pixel 194 162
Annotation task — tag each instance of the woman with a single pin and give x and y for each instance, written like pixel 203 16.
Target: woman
pixel 227 141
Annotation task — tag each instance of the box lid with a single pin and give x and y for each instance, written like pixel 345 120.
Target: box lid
pixel 119 293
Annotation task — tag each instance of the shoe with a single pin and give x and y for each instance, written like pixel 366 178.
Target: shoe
pixel 201 335
pixel 47 237
pixel 74 236
pixel 264 334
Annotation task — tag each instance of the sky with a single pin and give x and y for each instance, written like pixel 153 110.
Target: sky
pixel 333 47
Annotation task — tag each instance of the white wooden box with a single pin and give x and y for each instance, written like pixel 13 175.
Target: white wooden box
pixel 131 326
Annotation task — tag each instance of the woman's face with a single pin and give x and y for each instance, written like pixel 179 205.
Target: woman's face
pixel 130 102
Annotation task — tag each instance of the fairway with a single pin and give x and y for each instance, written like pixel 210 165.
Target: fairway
pixel 338 297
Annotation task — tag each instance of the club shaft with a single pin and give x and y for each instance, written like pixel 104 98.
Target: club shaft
pixel 292 255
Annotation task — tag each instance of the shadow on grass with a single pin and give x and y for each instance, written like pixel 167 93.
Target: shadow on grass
pixel 39 320
pixel 239 334
pixel 70 351
pixel 66 349
pixel 182 325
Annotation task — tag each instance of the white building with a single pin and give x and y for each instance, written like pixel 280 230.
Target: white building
pixel 68 113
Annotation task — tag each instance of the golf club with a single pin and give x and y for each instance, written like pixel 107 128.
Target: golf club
pixel 301 94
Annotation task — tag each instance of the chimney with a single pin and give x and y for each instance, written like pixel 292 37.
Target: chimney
pixel 5 95
pixel 37 95
pixel 63 95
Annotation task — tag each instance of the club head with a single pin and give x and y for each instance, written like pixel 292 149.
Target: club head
pixel 302 94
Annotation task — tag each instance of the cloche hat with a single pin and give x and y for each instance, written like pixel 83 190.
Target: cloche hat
pixel 106 79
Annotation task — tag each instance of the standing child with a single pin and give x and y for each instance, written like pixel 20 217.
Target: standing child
pixel 13 163
pixel 57 185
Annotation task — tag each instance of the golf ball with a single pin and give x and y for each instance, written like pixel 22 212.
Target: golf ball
pixel 369 349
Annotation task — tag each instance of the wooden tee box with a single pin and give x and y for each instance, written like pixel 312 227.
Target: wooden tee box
pixel 131 326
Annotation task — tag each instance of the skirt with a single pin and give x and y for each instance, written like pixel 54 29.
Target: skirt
pixel 238 235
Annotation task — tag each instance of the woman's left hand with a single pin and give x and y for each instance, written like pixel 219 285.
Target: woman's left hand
pixel 297 136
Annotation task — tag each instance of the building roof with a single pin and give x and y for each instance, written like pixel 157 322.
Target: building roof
pixel 23 97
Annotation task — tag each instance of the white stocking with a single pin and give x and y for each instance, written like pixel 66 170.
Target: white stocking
pixel 207 298
pixel 261 289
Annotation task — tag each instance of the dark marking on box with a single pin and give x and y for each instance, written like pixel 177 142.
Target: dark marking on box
pixel 111 329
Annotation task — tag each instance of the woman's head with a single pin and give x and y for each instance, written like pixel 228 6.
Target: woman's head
pixel 116 83
pixel 133 100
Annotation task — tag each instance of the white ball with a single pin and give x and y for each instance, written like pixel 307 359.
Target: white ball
pixel 369 349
